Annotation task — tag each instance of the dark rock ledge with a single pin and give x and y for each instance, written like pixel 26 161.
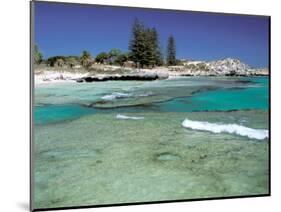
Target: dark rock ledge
pixel 137 77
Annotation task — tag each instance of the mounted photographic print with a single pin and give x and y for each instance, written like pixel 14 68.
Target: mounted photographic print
pixel 136 105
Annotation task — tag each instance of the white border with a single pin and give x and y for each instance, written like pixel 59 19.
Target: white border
pixel 14 140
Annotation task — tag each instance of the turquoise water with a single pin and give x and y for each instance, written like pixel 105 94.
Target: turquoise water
pixel 225 97
pixel 57 113
pixel 254 96
pixel 85 154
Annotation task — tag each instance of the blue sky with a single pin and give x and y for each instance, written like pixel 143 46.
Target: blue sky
pixel 68 29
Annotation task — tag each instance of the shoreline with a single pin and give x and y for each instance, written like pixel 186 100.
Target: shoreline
pixel 112 73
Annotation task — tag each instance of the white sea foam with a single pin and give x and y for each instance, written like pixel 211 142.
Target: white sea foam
pixel 119 116
pixel 116 95
pixel 259 134
pixel 119 95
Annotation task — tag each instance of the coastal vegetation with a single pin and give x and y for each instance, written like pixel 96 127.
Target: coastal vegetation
pixel 38 56
pixel 144 52
pixel 85 58
pixel 144 46
pixel 171 51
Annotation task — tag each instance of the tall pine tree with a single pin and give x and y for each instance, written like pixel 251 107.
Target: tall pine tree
pixel 144 46
pixel 149 48
pixel 158 58
pixel 137 43
pixel 171 51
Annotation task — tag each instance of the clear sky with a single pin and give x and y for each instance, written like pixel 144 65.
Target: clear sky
pixel 68 29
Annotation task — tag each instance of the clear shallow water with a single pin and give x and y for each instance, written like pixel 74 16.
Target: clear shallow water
pixel 251 97
pixel 85 154
pixel 235 98
pixel 178 95
pixel 57 113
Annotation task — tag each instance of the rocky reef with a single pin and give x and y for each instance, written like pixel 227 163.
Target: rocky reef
pixel 224 67
pixel 137 76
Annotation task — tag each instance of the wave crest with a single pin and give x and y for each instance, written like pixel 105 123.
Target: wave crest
pixel 259 134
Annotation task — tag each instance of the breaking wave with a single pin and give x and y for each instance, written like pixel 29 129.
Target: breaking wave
pixel 116 95
pixel 259 134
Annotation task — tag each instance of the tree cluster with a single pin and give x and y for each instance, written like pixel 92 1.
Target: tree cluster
pixel 113 57
pixel 60 61
pixel 144 46
pixel 144 51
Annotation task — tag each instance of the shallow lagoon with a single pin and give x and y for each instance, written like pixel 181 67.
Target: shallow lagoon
pixel 85 155
pixel 186 94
